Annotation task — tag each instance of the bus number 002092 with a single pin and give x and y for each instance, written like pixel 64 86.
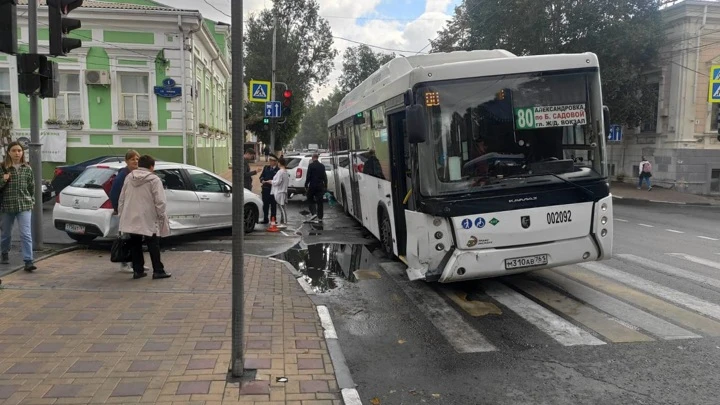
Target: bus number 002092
pixel 559 217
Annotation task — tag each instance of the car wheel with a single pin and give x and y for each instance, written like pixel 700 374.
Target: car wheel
pixel 386 234
pixel 81 238
pixel 251 218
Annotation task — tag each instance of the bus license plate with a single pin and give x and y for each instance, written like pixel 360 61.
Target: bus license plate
pixel 72 228
pixel 527 261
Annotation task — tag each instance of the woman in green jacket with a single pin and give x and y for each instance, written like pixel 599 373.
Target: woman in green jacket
pixel 18 197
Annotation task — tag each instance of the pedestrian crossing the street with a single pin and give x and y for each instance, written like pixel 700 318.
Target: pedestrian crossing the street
pixel 629 299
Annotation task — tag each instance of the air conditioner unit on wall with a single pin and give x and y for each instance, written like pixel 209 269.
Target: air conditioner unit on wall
pixel 101 77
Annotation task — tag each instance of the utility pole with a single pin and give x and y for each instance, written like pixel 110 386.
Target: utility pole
pixel 272 86
pixel 35 145
pixel 238 188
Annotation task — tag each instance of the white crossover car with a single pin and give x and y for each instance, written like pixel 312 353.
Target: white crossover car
pixel 197 201
pixel 297 169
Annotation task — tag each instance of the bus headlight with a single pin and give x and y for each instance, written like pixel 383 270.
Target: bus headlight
pixel 603 233
pixel 603 207
pixel 438 235
pixel 439 247
pixel 437 222
pixel 603 220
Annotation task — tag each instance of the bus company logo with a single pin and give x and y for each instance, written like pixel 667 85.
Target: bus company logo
pixel 525 221
pixel 525 199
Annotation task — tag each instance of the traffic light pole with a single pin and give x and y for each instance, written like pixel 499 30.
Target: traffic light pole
pixel 272 86
pixel 35 146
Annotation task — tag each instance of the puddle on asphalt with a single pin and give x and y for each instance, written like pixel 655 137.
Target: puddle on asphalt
pixel 328 266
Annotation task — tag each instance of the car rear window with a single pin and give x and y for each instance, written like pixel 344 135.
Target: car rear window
pixel 293 162
pixel 327 163
pixel 94 176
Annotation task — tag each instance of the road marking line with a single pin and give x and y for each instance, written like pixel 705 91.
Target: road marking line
pixel 463 337
pixel 351 396
pixel 657 306
pixel 610 328
pixel 674 231
pixel 559 329
pixel 473 308
pixel 707 238
pixel 698 260
pixel 647 226
pixel 326 322
pixel 686 300
pixel 625 312
pixel 621 220
pixel 674 271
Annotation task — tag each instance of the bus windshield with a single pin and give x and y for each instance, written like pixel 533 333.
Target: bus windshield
pixel 501 131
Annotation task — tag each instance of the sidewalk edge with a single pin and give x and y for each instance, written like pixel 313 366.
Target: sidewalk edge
pixel 342 371
pixel 629 199
pixel 41 258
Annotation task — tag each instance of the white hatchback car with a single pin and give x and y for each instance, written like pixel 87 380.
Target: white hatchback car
pixel 197 201
pixel 297 169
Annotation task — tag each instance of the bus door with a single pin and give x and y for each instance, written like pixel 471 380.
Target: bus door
pixel 400 159
pixel 356 162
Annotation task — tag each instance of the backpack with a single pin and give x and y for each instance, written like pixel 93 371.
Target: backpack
pixel 647 167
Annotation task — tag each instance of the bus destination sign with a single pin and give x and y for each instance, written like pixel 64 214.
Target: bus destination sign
pixel 550 116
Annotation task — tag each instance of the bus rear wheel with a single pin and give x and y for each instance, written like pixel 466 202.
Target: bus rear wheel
pixel 386 234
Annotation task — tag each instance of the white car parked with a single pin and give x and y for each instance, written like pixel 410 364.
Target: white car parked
pixel 197 201
pixel 297 169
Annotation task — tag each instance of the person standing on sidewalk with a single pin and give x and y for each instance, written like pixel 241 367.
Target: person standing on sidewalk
pixel 143 215
pixel 315 185
pixel 266 177
pixel 280 184
pixel 18 197
pixel 131 160
pixel 248 156
pixel 266 150
pixel 645 173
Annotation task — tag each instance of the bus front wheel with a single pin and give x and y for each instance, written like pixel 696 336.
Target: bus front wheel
pixel 386 234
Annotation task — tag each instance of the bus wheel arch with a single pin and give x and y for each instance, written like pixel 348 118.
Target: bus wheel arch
pixel 385 230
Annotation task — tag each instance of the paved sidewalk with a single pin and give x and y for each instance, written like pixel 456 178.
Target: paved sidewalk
pixel 659 195
pixel 77 331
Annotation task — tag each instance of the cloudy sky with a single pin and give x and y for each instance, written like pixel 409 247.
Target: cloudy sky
pixel 405 25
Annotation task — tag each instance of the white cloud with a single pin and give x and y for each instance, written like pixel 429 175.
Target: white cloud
pixel 409 36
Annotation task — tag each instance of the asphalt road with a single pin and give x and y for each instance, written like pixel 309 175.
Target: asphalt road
pixel 641 328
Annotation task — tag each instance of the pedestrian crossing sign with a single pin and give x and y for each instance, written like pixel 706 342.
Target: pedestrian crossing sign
pixel 714 85
pixel 259 91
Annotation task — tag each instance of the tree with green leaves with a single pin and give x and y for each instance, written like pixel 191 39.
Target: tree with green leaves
pixel 304 60
pixel 625 34
pixel 314 124
pixel 359 63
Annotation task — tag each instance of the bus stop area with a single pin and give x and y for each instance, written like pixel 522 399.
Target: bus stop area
pixel 78 331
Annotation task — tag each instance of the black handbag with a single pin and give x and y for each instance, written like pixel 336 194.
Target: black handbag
pixel 120 251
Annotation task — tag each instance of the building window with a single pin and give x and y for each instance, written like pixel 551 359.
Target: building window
pixel 651 96
pixel 5 95
pixel 134 96
pixel 713 117
pixel 715 181
pixel 68 104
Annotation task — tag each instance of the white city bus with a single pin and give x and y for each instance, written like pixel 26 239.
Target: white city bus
pixel 477 164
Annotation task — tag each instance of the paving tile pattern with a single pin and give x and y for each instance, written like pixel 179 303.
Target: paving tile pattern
pixel 77 331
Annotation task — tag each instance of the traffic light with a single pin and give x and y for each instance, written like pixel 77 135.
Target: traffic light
pixel 37 75
pixel 266 120
pixel 287 103
pixel 60 26
pixel 8 26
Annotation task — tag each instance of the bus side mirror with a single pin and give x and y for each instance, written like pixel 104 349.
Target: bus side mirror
pixel 416 124
pixel 606 121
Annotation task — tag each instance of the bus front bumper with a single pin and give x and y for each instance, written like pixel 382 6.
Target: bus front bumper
pixel 476 264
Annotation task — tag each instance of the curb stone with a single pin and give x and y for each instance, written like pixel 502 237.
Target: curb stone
pixel 615 197
pixel 342 372
pixel 41 258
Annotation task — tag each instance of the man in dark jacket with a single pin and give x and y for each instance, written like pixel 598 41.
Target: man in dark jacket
pixel 316 184
pixel 249 155
pixel 267 175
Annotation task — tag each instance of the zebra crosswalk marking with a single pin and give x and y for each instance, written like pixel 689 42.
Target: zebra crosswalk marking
pixel 658 306
pixel 654 325
pixel 559 329
pixel 686 300
pixel 672 270
pixel 611 329
pixel 698 260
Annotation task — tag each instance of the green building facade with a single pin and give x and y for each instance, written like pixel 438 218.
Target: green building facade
pixel 108 102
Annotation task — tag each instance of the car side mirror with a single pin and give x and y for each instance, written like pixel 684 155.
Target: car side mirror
pixel 226 189
pixel 415 123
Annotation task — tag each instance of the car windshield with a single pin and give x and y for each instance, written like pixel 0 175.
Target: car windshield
pixel 94 176
pixel 494 132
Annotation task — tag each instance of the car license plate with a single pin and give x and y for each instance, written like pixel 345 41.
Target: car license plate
pixel 527 261
pixel 72 228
